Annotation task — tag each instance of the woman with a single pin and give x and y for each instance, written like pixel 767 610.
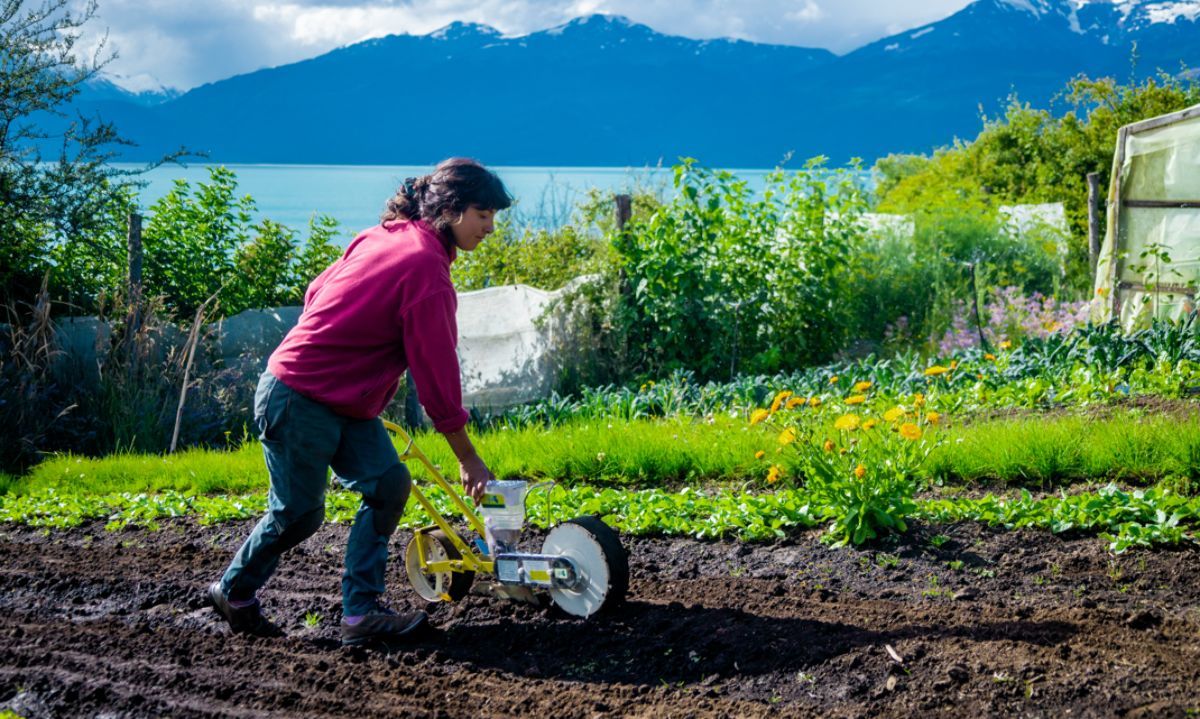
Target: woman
pixel 386 305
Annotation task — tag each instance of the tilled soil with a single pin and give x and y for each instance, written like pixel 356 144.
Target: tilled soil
pixel 114 624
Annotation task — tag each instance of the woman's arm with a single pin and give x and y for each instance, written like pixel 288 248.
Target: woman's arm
pixel 475 474
pixel 430 339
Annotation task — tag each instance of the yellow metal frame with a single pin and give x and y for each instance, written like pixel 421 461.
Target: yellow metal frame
pixel 472 561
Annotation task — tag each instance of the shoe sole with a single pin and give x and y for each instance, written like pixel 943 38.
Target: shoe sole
pixel 214 599
pixel 382 639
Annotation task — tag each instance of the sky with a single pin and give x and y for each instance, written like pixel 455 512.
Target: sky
pixel 186 43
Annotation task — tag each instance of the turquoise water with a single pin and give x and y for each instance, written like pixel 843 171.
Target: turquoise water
pixel 354 195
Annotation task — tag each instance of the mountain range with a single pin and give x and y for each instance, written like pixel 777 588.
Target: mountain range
pixel 604 91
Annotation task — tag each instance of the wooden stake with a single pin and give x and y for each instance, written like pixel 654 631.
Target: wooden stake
pixel 134 247
pixel 624 210
pixel 1093 180
pixel 190 348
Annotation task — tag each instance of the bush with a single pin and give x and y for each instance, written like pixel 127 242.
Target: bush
pixel 199 243
pixel 720 282
pixel 1030 155
pixel 125 399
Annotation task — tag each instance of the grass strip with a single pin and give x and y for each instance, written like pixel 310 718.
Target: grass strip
pixel 1036 452
pixel 1029 452
pixel 627 453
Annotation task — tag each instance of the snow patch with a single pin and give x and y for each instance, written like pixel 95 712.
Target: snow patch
pixel 893 46
pixel 1026 5
pixel 921 32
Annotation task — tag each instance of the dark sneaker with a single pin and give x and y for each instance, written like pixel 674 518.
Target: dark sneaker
pixel 242 620
pixel 381 625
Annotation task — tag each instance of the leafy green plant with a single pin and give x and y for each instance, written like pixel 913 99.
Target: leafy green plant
pixel 751 280
pixel 200 242
pixel 864 473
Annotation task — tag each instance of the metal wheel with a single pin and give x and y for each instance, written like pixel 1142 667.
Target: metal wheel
pixel 601 562
pixel 437 586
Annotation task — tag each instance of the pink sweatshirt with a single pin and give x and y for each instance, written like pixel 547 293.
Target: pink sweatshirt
pixel 386 305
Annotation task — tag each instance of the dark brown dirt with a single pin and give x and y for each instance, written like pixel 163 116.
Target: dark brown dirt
pixel 94 623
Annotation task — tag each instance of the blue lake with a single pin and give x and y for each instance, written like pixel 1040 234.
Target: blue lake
pixel 354 195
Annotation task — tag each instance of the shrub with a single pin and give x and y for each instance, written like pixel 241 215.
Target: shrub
pixel 721 282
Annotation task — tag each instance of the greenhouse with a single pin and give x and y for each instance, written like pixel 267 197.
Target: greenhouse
pixel 1149 264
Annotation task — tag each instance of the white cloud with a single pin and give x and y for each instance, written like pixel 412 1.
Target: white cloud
pixel 184 43
pixel 811 12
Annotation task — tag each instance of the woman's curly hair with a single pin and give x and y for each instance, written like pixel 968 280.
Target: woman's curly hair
pixel 440 197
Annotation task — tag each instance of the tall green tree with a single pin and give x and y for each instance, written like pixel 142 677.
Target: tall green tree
pixel 58 191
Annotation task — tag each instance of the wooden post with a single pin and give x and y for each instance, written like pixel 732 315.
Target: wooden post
pixel 134 244
pixel 624 210
pixel 1093 180
pixel 1115 227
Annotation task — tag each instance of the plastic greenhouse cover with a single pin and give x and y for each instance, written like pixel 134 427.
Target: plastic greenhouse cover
pixel 1158 246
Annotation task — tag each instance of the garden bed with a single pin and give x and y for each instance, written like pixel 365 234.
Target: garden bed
pixel 981 621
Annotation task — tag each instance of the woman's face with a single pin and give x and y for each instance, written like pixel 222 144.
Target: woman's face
pixel 474 225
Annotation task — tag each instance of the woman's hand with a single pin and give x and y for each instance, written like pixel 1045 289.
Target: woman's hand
pixel 475 476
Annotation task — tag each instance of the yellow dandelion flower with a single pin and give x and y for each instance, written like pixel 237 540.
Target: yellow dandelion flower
pixel 936 370
pixel 775 405
pixel 814 402
pixel 918 400
pixel 833 379
pixel 861 386
pixel 783 395
pixel 774 474
pixel 847 423
pixel 787 436
pixel 856 399
pixel 990 357
pixel 795 402
pixel 933 417
pixel 953 364
pixel 759 415
pixel 1006 344
pixel 760 454
pixel 870 424
pixel 908 430
pixel 1101 291
pixel 828 446
pixel 893 414
pixel 860 471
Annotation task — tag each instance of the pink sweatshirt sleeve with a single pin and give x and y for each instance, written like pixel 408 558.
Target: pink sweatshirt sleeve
pixel 430 346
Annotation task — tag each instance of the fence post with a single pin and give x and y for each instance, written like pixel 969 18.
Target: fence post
pixel 624 210
pixel 134 248
pixel 1093 180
